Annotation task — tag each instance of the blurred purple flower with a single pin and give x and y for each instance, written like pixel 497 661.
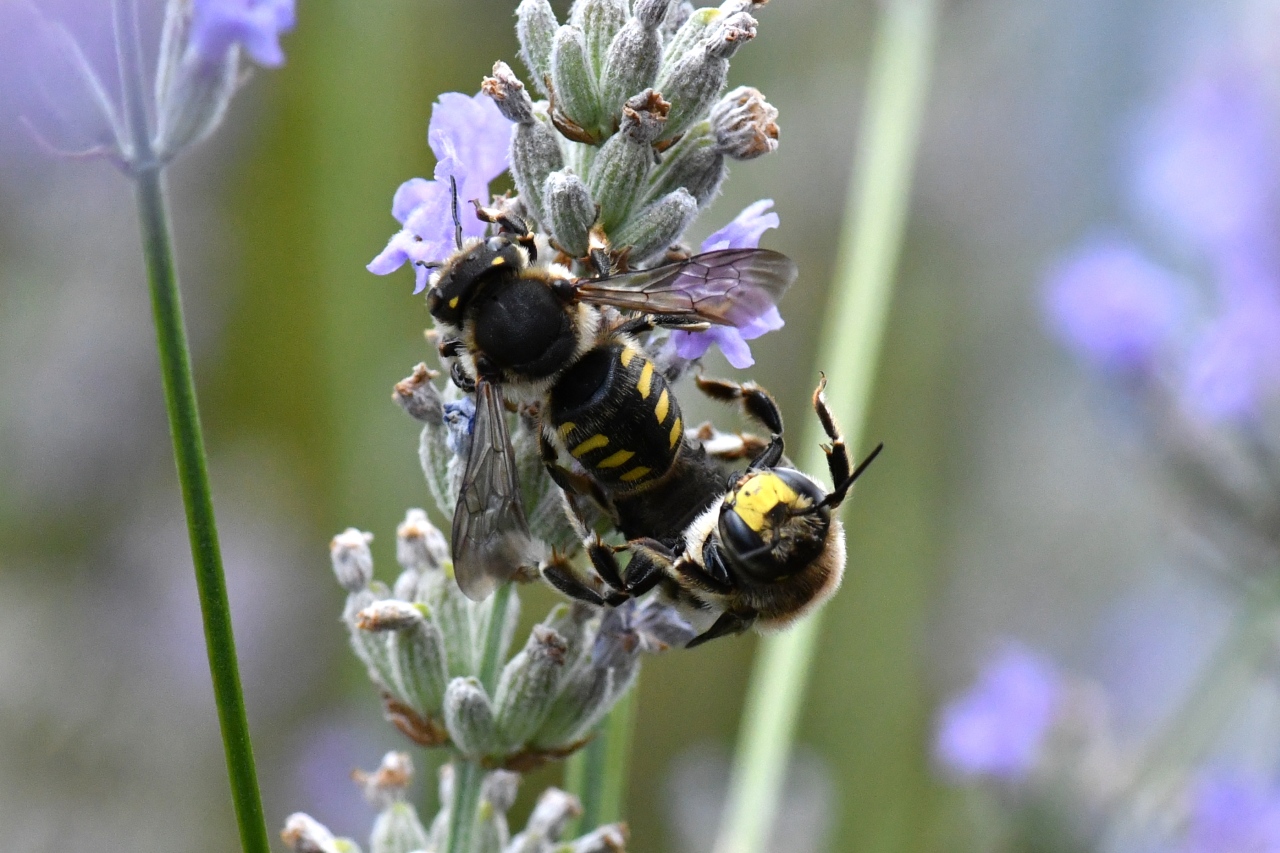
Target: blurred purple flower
pixel 470 140
pixel 1233 814
pixel 1113 306
pixel 1206 161
pixel 1236 360
pixel 998 727
pixel 744 232
pixel 216 25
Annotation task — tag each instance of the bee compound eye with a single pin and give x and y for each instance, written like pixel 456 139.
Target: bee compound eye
pixel 737 535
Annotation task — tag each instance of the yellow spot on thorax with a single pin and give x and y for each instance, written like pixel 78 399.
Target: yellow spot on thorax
pixel 646 379
pixel 664 404
pixel 615 460
pixel 590 444
pixel 635 474
pixel 677 429
pixel 453 303
pixel 754 500
pixel 498 261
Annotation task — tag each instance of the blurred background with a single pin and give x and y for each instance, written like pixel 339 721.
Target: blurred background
pixel 1024 500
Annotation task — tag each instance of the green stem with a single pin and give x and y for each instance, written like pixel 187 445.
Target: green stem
pixel 188 442
pixel 468 776
pixel 870 245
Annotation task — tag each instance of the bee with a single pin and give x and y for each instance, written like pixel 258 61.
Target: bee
pixel 516 331
pixel 765 550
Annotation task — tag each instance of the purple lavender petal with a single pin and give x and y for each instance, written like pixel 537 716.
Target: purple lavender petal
pixel 735 349
pixel 746 229
pixel 1206 161
pixel 414 193
pixel 1113 306
pixel 216 25
pixel 998 727
pixel 1231 813
pixel 691 345
pixel 470 138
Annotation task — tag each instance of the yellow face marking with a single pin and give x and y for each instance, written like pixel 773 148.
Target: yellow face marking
pixel 664 403
pixel 498 261
pixel 646 379
pixel 627 355
pixel 590 444
pixel 566 428
pixel 615 460
pixel 676 431
pixel 634 474
pixel 453 303
pixel 758 496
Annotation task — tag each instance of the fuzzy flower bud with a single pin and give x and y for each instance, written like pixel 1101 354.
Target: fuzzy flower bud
pixel 419 544
pixel 570 211
pixel 397 829
pixel 528 686
pixel 468 715
pixel 388 783
pixel 692 81
pixel 390 614
pixel 418 396
pixel 624 160
pixel 550 817
pixel 305 834
pixel 577 101
pixel 634 57
pixel 745 124
pixel 352 560
pixel 695 162
pixel 658 226
pixel 497 796
pixel 535 149
pixel 691 31
pixel 606 839
pixel 536 27
pixel 600 21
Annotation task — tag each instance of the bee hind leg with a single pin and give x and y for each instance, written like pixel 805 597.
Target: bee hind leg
pixel 558 573
pixel 727 624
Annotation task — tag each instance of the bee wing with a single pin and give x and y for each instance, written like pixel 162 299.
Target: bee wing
pixel 491 537
pixel 729 287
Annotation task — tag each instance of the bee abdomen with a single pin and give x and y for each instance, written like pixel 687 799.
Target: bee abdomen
pixel 615 414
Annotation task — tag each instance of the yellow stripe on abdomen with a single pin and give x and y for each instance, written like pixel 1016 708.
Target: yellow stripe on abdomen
pixel 646 379
pixel 664 405
pixel 635 474
pixel 615 460
pixel 596 441
pixel 677 429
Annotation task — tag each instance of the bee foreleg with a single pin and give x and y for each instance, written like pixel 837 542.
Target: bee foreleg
pixel 696 576
pixel 558 574
pixel 728 623
pixel 605 563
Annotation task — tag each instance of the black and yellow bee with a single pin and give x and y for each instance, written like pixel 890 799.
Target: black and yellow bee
pixel 517 332
pixel 761 552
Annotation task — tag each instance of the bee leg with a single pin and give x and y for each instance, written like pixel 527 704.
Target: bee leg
pixel 728 623
pixel 649 322
pixel 572 484
pixel 460 378
pixel 605 563
pixel 714 562
pixel 838 462
pixel 757 403
pixel 650 561
pixel 558 574
pixel 698 577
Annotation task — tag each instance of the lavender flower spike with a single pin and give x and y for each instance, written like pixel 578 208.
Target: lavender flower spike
pixel 217 25
pixel 999 726
pixel 1112 306
pixel 1232 813
pixel 744 232
pixel 470 139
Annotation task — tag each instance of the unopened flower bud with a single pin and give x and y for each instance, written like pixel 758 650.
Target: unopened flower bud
pixel 570 211
pixel 370 647
pixel 658 226
pixel 418 396
pixel 575 95
pixel 529 685
pixel 535 153
pixel 549 819
pixel 691 31
pixel 695 162
pixel 305 834
pixel 194 102
pixel 634 57
pixel 626 158
pixel 390 614
pixel 536 27
pixel 468 715
pixel 500 788
pixel 508 94
pixel 745 124
pixel 497 795
pixel 600 21
pixel 387 784
pixel 419 544
pixel 693 80
pixel 606 839
pixel 352 560
pixel 397 829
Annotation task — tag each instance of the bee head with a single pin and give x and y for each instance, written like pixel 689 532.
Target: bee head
pixel 461 277
pixel 772 523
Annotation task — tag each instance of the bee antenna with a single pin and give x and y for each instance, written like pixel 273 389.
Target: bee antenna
pixel 457 217
pixel 430 265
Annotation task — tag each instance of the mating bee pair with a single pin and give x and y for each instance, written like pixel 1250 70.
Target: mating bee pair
pixel 759 547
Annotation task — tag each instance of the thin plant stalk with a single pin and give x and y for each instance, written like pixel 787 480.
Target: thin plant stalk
pixel 188 440
pixel 468 776
pixel 870 244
